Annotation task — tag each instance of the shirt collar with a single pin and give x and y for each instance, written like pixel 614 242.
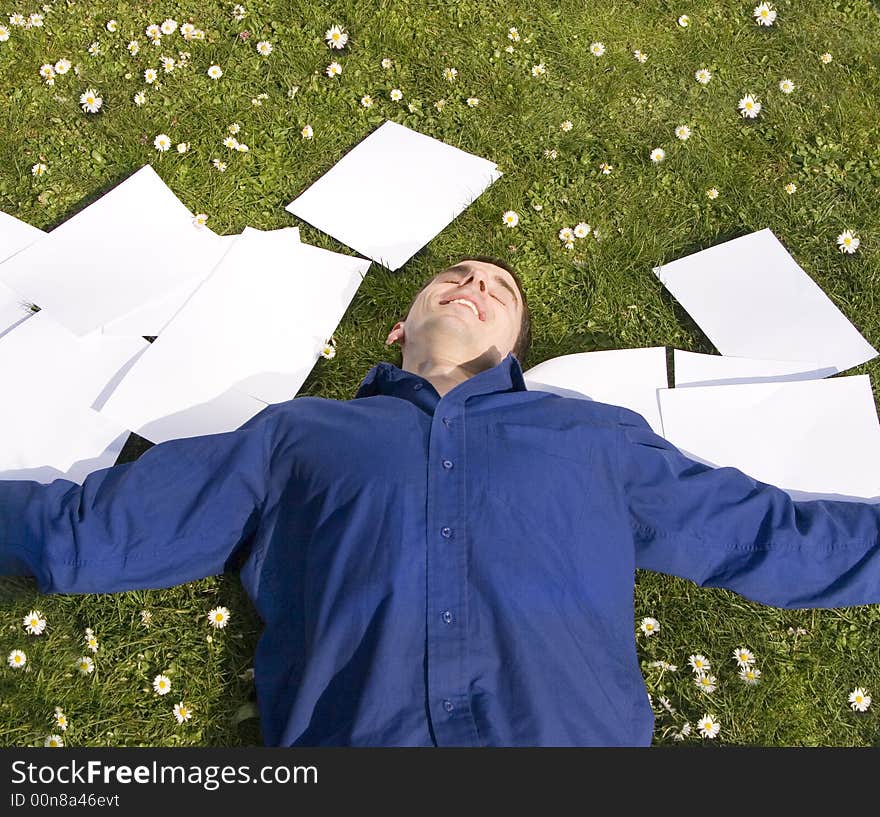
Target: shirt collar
pixel 388 379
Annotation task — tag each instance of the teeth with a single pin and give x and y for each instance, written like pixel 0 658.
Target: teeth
pixel 466 303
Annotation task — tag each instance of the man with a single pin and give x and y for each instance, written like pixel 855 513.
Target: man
pixel 448 558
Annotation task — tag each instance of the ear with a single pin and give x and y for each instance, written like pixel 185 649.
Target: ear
pixel 396 334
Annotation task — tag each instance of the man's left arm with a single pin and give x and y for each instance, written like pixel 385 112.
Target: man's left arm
pixel 721 528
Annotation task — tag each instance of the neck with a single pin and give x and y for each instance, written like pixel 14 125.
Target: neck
pixel 444 374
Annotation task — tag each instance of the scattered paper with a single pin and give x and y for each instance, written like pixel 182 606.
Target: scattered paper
pixel 135 244
pixel 812 438
pixel 393 192
pixel 693 369
pixel 15 235
pixel 248 336
pixel 622 377
pixel 752 299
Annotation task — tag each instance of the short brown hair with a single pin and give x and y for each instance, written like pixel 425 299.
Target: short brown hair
pixel 524 338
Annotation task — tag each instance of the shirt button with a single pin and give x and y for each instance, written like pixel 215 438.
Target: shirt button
pixel 417 386
pixel 448 705
pixel 446 532
pixel 447 617
pixel 447 464
pixel 447 422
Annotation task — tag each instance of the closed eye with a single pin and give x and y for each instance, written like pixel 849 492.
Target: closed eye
pixel 494 296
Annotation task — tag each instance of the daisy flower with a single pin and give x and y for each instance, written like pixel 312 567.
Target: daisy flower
pixel 605 168
pixel 509 49
pixel 386 63
pixel 146 618
pixel 649 626
pixel 91 641
pixel 181 711
pixel 60 719
pixel 336 37
pixel 238 12
pixel 233 127
pixel 110 26
pixel 328 351
pixel 54 741
pixel 712 193
pixel 513 34
pixel 182 147
pixel 307 132
pixel 566 234
pixel 658 155
pixel 162 142
pixel 539 70
pixel 640 56
pixel 859 699
pixel 440 104
pixel 186 30
pixel 334 69
pixel 90 102
pixel 699 663
pixel 200 220
pixel 34 622
pixel 749 106
pixel 826 58
pixel 848 242
pixel 140 98
pixel 582 230
pixel 221 166
pixel 167 64
pixel 153 32
pixel 241 147
pixel 708 726
pixel 230 142
pixel 4 34
pixel 133 47
pixel 566 126
pixel 550 153
pixel 597 49
pixel 215 72
pixel 764 14
pixel 264 48
pixel 684 21
pixel 85 665
pixel 683 132
pixel 16 659
pixel 396 94
pixel 62 67
pixel 162 684
pixel 449 74
pixel 786 86
pixel 664 665
pixel 510 218
pixel 367 101
pixel 168 26
pixel 17 19
pixel 218 617
pixel 150 76
pixel 703 76
pixel 685 732
pixel 47 72
pixel 707 683
pixel 472 102
pixel 35 20
pixel 790 188
pixel 38 170
pixel 749 674
pixel 743 657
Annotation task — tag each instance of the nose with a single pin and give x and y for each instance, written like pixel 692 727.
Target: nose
pixel 471 278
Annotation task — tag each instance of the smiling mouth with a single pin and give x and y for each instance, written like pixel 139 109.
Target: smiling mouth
pixel 470 304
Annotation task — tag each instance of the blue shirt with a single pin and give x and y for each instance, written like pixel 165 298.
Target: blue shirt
pixel 452 571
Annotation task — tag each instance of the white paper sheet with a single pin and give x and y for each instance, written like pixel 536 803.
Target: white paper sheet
pixel 812 438
pixel 393 192
pixel 135 244
pixel 47 429
pixel 622 377
pixel 13 309
pixel 752 299
pixel 248 336
pixel 694 369
pixel 15 235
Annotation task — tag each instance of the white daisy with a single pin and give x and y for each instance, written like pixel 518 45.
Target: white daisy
pixel 60 719
pixel 230 142
pixel 664 665
pixel 153 32
pixel 264 48
pixel 764 14
pixel 16 659
pixel 53 741
pixel 786 86
pixel 743 657
pixel 4 34
pixel 150 76
pixel 826 58
pixel 182 712
pixel 539 70
pixel 683 132
pixel 569 245
pixel 162 142
pixel 649 625
pixel 35 21
pixel 605 168
pixel 367 101
pixel 640 56
pixel 449 74
pixel 38 170
pixel 162 684
pixel 334 69
pixel 597 49
pixel 47 71
pixel 307 132
pixel 186 30
pixel 220 165
pixel 62 66
pixel 241 147
pixel 566 126
pixel 110 25
pixel 167 64
pixel 859 699
pixel 200 219
pixel 513 34
pixel 699 663
pixel 328 351
pixel 215 72
pixel 182 147
pixel 707 683
pixel 749 674
pixel 34 622
pixel 658 155
pixel 708 726
pixel 133 47
pixel 510 218
pixel 551 153
pixel 91 642
pixel 396 94
pixel 509 49
pixel 386 63
pixel 17 20
pixel 140 98
pixel 749 106
pixel 712 193
pixel 566 235
pixel 168 26
pixel 219 617
pixel 848 242
pixel 238 12
pixel 472 102
pixel 85 665
pixel 790 188
pixel 684 733
pixel 198 34
pixel 146 618
pixel 684 21
pixel 336 37
pixel 703 76
pixel 440 104
pixel 90 102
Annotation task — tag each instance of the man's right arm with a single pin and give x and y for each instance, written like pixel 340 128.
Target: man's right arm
pixel 176 514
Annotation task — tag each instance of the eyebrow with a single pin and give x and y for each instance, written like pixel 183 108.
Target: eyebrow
pixel 497 278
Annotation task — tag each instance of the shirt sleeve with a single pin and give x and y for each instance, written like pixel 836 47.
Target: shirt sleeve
pixel 720 528
pixel 177 513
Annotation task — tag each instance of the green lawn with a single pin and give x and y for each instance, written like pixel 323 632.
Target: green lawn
pixel 823 137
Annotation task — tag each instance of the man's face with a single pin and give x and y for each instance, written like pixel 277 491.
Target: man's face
pixel 468 309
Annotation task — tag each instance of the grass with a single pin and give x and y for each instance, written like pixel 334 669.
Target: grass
pixel 823 137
